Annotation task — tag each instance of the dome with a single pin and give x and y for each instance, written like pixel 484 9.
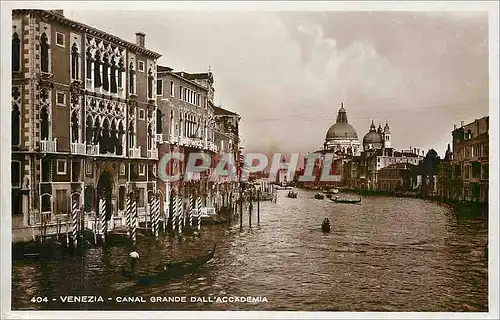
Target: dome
pixel 341 130
pixel 372 137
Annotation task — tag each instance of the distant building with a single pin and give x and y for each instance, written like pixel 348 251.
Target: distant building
pixel 341 137
pixel 396 177
pixel 471 159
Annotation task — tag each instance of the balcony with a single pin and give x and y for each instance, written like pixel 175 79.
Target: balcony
pixel 183 141
pixel 78 148
pixel 194 143
pixel 134 152
pixel 211 146
pixel 153 154
pixel 48 145
pixel 173 139
pixel 93 149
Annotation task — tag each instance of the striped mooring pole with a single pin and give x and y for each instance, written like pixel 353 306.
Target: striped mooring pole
pixel 74 215
pixel 102 210
pixel 181 214
pixel 128 208
pixel 191 207
pixel 198 211
pixel 174 213
pixel 134 221
pixel 156 206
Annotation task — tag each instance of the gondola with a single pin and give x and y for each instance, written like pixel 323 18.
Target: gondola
pixel 325 226
pixel 292 194
pixel 347 200
pixel 319 196
pixel 169 271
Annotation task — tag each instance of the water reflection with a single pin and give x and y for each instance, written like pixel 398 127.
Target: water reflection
pixel 383 255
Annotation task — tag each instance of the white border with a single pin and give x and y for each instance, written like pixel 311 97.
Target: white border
pixel 491 7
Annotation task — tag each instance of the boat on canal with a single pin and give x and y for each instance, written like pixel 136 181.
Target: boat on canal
pixel 325 226
pixel 349 201
pixel 319 196
pixel 292 194
pixel 170 270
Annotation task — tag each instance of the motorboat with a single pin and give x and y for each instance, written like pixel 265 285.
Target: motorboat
pixel 352 201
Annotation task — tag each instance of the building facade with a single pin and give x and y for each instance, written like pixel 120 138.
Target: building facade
pixel 83 119
pixel 341 137
pixel 471 160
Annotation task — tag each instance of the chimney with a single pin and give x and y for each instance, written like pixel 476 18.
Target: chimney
pixel 140 39
pixel 59 12
pixel 461 123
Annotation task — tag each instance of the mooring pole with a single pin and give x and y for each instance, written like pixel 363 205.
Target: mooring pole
pixel 258 207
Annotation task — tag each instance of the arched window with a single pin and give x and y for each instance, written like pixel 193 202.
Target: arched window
pixel 89 130
pixel 130 135
pixel 105 68
pixel 150 134
pixel 89 64
pixel 150 84
pixel 74 127
pixel 159 122
pixel 75 73
pixel 121 68
pixel 104 141
pixel 44 52
pixel 97 70
pixel 16 52
pixel 113 76
pixel 121 132
pixel 131 78
pixel 113 142
pixel 97 131
pixel 44 123
pixel 16 125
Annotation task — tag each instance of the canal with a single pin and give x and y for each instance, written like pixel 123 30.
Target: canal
pixel 387 254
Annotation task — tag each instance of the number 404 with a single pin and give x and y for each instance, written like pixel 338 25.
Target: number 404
pixel 39 299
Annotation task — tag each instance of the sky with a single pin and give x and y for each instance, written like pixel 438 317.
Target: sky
pixel 286 73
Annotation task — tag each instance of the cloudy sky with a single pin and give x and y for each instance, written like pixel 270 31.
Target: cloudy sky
pixel 286 73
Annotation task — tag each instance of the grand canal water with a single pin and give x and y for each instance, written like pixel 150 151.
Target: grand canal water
pixel 387 254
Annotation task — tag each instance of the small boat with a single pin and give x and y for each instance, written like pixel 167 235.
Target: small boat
pixel 169 271
pixel 346 200
pixel 319 196
pixel 325 226
pixel 335 191
pixel 292 194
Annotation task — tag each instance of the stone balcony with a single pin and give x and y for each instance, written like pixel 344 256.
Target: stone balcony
pixel 78 148
pixel 134 152
pixel 152 154
pixel 48 145
pixel 93 150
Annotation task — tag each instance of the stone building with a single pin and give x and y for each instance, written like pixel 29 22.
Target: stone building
pixel 396 177
pixel 341 137
pixel 83 119
pixel 471 159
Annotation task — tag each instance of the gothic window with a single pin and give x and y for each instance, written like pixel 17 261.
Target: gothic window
pixel 130 136
pixel 74 127
pixel 131 78
pixel 88 132
pixel 104 141
pixel 113 142
pixel 119 146
pixel 121 68
pixel 75 74
pixel 150 133
pixel 113 76
pixel 97 70
pixel 16 117
pixel 97 131
pixel 159 120
pixel 105 68
pixel 89 64
pixel 44 52
pixel 44 123
pixel 16 52
pixel 150 84
pixel 46 168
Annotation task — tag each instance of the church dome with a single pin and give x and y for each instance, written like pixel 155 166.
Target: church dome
pixel 341 130
pixel 373 137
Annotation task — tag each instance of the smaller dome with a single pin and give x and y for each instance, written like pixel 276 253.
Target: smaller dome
pixel 372 137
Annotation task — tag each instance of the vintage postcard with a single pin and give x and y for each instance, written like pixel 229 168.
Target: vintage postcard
pixel 241 160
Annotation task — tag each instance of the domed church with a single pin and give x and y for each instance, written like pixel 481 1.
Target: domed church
pixel 377 138
pixel 341 138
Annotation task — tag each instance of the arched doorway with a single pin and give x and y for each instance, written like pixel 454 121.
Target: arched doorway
pixel 104 190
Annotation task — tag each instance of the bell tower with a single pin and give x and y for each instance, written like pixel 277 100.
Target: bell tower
pixel 387 135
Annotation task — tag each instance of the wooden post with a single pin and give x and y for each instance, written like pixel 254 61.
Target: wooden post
pixel 241 209
pixel 258 207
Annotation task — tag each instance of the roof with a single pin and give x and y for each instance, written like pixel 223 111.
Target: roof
pixel 218 111
pixel 163 69
pixel 88 29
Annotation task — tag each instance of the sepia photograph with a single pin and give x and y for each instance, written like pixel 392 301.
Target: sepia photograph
pixel 330 159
